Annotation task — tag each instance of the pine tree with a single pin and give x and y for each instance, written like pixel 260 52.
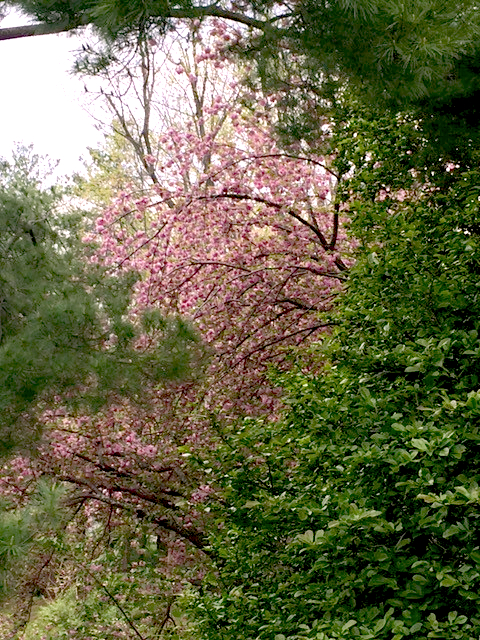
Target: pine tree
pixel 405 50
pixel 420 53
pixel 63 322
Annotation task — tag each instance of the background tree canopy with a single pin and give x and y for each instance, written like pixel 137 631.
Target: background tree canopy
pixel 402 49
pixel 417 53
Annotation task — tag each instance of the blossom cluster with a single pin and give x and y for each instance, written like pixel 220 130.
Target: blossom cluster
pixel 240 236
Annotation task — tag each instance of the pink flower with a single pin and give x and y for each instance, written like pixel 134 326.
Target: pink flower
pixel 150 159
pixel 201 494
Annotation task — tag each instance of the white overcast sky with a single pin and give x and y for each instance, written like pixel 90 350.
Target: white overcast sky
pixel 41 101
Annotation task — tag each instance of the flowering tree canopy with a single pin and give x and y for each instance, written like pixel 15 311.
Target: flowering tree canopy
pixel 242 240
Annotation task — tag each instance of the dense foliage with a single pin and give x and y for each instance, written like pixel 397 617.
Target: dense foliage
pixel 357 515
pixel 354 512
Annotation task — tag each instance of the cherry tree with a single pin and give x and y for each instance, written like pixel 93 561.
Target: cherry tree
pixel 242 238
pixel 210 143
pixel 238 234
pixel 250 252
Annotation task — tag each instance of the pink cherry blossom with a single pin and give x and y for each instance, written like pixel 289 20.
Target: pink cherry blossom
pixel 242 237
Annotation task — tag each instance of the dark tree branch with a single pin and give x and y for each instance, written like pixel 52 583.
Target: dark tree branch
pixel 307 330
pixel 135 491
pixel 196 538
pixel 214 11
pixel 27 611
pixel 103 466
pixel 41 29
pixel 117 604
pixel 333 241
pixel 297 304
pixel 288 156
pixel 167 616
pixel 328 246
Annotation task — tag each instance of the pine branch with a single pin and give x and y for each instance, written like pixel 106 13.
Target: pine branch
pixel 40 29
pixel 213 11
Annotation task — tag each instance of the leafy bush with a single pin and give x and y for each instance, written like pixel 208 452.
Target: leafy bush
pixel 357 515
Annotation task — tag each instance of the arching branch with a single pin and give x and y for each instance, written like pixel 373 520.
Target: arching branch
pixel 40 29
pixel 213 10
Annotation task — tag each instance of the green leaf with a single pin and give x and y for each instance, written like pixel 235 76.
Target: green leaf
pixel 451 531
pixel 475 556
pixel 251 504
pixel 349 625
pixel 420 443
pixel 449 581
